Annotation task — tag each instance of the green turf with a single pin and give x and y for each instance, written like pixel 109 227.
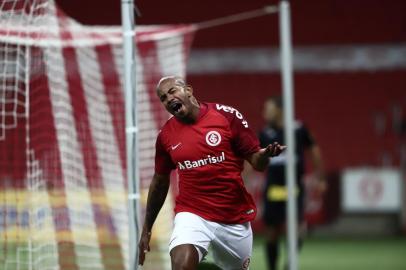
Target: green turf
pixel 343 254
pixel 208 266
pixel 317 254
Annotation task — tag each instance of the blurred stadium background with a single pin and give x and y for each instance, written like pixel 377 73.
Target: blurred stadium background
pixel 350 89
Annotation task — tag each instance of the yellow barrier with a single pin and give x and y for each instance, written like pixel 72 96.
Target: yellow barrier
pixel 47 216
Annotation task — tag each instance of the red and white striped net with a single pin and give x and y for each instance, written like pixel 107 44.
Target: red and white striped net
pixel 63 183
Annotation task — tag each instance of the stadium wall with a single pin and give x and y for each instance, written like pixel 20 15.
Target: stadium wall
pixel 350 112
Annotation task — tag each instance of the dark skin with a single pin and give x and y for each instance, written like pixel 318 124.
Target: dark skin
pixel 178 99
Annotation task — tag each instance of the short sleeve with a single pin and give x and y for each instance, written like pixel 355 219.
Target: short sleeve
pixel 163 161
pixel 244 140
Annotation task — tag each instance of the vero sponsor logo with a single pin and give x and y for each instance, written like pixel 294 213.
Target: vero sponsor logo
pixel 231 110
pixel 191 164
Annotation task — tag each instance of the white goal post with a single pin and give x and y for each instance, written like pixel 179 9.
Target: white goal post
pixel 63 180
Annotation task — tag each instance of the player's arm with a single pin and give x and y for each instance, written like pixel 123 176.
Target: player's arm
pixel 318 167
pixel 157 193
pixel 316 158
pixel 245 142
pixel 260 159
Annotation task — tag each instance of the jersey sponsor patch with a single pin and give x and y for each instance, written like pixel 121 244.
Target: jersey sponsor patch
pixel 231 110
pixel 190 164
pixel 213 138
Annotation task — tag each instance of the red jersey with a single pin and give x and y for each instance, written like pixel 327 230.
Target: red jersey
pixel 209 156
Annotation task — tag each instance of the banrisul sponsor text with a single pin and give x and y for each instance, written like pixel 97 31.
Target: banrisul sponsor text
pixel 209 159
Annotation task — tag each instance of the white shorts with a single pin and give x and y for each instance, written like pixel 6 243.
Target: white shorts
pixel 231 244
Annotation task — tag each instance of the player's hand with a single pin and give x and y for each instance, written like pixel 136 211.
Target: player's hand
pixel 273 150
pixel 143 246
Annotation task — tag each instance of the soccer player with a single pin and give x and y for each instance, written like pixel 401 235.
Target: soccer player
pixel 207 144
pixel 275 192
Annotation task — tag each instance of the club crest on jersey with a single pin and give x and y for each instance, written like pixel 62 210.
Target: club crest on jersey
pixel 213 138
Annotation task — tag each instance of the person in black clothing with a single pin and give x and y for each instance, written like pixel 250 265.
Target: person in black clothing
pixel 275 192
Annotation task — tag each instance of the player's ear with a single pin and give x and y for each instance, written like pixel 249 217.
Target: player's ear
pixel 189 90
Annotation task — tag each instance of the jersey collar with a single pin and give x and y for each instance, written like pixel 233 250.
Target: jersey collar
pixel 203 110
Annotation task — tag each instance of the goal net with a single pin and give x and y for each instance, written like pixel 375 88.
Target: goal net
pixel 63 186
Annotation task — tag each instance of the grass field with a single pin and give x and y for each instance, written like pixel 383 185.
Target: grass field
pixel 343 254
pixel 317 254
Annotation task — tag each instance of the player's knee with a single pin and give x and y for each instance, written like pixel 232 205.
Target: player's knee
pixel 182 263
pixel 184 257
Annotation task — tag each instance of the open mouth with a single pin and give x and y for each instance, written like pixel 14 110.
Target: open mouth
pixel 175 106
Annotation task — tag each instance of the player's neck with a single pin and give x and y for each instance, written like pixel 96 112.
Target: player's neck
pixel 193 115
